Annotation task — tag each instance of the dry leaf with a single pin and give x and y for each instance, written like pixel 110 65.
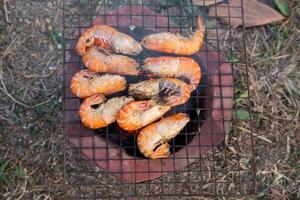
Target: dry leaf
pixel 255 13
pixel 205 2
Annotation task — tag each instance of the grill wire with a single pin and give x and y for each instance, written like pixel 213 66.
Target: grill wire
pixel 218 170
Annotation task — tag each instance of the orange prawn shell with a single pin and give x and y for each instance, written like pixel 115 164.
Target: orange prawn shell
pixel 167 66
pixel 160 132
pixel 175 43
pixel 86 83
pixel 138 114
pixel 106 112
pixel 85 116
pixel 152 88
pixel 185 90
pixel 122 118
pixel 107 38
pixel 82 88
pixel 98 61
pixel 104 33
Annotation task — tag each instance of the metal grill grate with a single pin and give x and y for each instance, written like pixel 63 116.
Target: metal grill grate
pixel 206 158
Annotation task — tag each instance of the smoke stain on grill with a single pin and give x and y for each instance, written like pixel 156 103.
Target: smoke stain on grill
pixel 127 141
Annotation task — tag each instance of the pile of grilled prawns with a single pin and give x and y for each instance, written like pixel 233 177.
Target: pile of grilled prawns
pixel 104 52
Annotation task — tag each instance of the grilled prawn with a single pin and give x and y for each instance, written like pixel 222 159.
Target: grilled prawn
pixel 96 112
pixel 175 43
pixel 138 114
pixel 99 61
pixel 86 83
pixel 178 67
pixel 107 38
pixel 168 90
pixel 152 140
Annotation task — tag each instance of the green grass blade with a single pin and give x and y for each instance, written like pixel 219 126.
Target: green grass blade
pixel 283 7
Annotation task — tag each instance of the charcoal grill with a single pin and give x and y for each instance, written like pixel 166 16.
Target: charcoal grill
pixel 106 163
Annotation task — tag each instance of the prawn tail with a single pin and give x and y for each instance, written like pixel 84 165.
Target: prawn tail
pixel 200 24
pixel 161 152
pixel 80 48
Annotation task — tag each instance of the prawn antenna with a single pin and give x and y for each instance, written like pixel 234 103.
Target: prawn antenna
pixel 200 23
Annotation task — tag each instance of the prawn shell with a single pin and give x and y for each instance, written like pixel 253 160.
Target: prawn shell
pixel 86 83
pixel 138 114
pixel 104 114
pixel 125 44
pixel 159 133
pixel 99 35
pixel 108 38
pixel 171 91
pixel 178 67
pixel 98 61
pixel 175 43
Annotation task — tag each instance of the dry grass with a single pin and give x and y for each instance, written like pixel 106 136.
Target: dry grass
pixel 31 161
pixel 274 58
pixel 30 119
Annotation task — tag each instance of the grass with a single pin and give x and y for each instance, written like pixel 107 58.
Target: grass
pixel 31 160
pixel 11 173
pixel 274 60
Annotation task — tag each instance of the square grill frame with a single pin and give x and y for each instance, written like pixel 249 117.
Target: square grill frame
pixel 88 156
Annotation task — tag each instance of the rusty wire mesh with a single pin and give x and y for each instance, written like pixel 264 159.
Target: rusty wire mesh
pixel 212 157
